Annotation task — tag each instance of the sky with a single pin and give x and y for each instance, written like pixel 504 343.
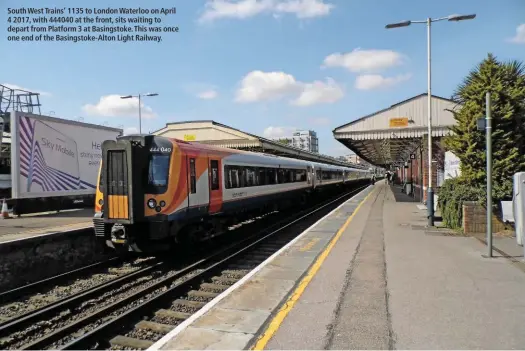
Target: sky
pixel 267 67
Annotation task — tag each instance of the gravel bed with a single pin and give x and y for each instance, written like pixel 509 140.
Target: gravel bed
pixel 144 334
pixel 55 293
pixel 86 329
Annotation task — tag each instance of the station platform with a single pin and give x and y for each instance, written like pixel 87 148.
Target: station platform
pixel 370 275
pixel 25 226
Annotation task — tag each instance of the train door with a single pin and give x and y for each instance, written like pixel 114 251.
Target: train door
pixel 198 189
pixel 215 184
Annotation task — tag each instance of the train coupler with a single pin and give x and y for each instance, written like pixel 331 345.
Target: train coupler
pixel 118 234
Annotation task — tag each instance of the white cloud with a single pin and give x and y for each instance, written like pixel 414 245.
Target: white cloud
pixel 364 60
pixel 207 94
pixel 258 86
pixel 17 87
pixel 304 8
pixel 264 86
pixel 377 81
pixel 520 35
pixel 278 132
pixel 114 106
pixel 242 9
pixel 319 93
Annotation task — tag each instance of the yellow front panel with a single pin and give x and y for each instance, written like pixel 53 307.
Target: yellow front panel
pixel 118 206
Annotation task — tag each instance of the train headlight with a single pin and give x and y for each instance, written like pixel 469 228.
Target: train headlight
pixel 152 203
pixel 101 202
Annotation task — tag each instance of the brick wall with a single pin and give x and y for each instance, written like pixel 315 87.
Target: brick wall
pixel 475 218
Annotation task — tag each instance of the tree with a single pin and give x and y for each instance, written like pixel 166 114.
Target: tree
pixel 285 141
pixel 506 84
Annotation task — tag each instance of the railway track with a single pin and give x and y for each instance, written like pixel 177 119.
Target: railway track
pixel 105 316
pixel 9 295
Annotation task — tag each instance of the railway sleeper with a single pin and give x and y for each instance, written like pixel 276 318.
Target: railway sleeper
pixel 188 304
pixel 224 281
pixel 127 342
pixel 154 326
pixel 181 316
pixel 202 294
pixel 235 274
pixel 214 287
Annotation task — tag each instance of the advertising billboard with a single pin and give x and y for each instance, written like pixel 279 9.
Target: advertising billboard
pixel 55 157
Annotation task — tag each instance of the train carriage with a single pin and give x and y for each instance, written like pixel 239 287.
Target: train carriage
pixel 155 191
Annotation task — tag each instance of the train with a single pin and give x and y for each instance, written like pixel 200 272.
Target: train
pixel 155 192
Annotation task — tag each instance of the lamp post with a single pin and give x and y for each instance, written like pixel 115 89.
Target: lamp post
pixel 428 21
pixel 139 96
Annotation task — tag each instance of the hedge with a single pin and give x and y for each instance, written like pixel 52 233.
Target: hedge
pixel 453 193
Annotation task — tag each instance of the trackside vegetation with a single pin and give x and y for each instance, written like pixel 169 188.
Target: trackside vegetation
pixel 506 83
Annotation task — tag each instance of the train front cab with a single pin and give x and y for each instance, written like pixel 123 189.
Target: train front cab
pixel 150 188
pixel 131 168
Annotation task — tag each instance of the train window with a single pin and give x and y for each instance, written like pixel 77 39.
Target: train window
pixel 158 172
pixel 262 176
pixel 193 177
pixel 272 176
pixel 101 181
pixel 227 177
pixel 214 165
pixel 250 177
pixel 242 177
pixel 234 173
pixel 280 176
pixel 300 175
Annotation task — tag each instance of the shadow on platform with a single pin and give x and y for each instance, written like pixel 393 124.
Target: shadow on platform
pixel 401 197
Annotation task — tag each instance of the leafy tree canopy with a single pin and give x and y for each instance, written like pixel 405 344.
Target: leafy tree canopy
pixel 506 83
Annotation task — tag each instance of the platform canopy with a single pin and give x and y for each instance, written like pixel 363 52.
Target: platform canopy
pixel 390 136
pixel 221 135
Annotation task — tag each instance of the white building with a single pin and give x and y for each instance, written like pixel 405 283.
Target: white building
pixel 305 140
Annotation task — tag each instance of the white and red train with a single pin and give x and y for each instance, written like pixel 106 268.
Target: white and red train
pixel 155 191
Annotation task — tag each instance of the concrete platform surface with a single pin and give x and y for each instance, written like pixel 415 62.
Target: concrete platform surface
pixel 390 283
pixel 241 311
pixel 25 226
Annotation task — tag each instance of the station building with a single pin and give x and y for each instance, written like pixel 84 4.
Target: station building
pixel 396 138
pixel 221 135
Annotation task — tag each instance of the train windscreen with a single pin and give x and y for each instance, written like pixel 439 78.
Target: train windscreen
pixel 158 172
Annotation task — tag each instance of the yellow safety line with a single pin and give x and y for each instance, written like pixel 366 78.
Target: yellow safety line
pixel 290 303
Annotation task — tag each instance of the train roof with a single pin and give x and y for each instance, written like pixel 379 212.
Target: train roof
pixel 259 157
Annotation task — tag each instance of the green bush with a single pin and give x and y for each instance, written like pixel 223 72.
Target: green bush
pixel 453 193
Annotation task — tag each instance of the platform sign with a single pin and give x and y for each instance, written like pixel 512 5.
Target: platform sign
pixel 399 122
pixel 412 156
pixel 189 137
